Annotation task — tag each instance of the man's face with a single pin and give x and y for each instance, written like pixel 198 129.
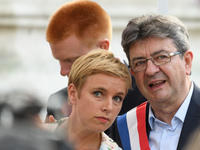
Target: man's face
pixel 67 51
pixel 166 83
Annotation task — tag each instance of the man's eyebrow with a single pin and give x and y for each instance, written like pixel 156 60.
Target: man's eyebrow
pixel 67 59
pixel 157 52
pixel 138 58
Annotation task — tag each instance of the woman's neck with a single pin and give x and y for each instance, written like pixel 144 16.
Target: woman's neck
pixel 80 137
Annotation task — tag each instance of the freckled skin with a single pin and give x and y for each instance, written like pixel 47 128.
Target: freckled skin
pixel 67 51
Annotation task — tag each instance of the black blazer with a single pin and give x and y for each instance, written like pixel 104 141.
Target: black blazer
pixel 192 119
pixel 55 103
pixel 190 125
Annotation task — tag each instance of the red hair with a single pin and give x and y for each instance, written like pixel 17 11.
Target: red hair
pixel 86 19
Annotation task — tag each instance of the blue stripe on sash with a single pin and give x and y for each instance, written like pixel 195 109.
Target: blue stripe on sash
pixel 123 131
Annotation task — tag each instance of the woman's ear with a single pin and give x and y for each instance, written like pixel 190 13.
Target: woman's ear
pixel 188 57
pixel 72 93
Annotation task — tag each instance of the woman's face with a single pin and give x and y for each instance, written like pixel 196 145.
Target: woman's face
pixel 99 102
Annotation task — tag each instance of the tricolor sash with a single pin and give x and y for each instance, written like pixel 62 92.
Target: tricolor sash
pixel 132 129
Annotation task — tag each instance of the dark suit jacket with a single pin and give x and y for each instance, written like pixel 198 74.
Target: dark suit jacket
pixel 56 102
pixel 132 99
pixel 191 123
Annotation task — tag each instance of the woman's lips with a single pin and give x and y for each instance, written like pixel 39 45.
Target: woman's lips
pixel 103 119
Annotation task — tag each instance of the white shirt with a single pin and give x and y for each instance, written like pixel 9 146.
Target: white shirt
pixel 164 136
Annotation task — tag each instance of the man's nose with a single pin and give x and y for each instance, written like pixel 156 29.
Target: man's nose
pixel 65 68
pixel 151 68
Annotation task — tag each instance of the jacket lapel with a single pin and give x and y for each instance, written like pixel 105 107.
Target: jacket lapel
pixel 192 120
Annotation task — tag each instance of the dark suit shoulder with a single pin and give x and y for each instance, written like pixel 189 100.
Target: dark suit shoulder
pixel 62 92
pixel 192 119
pixel 56 101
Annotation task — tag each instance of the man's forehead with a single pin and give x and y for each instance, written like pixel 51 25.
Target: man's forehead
pixel 151 45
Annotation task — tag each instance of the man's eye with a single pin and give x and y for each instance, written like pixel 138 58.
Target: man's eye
pixel 97 93
pixel 139 63
pixel 117 98
pixel 161 57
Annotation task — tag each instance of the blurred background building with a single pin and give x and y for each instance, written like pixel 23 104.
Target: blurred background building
pixel 25 56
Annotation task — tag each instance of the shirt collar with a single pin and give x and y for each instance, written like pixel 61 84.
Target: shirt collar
pixel 181 113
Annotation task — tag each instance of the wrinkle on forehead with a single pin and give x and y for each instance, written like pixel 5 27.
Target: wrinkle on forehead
pixel 152 44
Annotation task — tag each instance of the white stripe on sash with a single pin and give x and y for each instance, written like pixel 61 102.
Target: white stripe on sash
pixel 133 130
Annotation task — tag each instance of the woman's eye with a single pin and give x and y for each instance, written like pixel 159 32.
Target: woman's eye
pixel 97 93
pixel 117 98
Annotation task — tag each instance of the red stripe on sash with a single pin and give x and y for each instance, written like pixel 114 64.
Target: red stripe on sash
pixel 141 119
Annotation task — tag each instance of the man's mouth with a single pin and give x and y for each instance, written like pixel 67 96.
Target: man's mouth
pixel 155 84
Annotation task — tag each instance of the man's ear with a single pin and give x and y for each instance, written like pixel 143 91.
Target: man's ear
pixel 188 57
pixel 72 93
pixel 104 44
